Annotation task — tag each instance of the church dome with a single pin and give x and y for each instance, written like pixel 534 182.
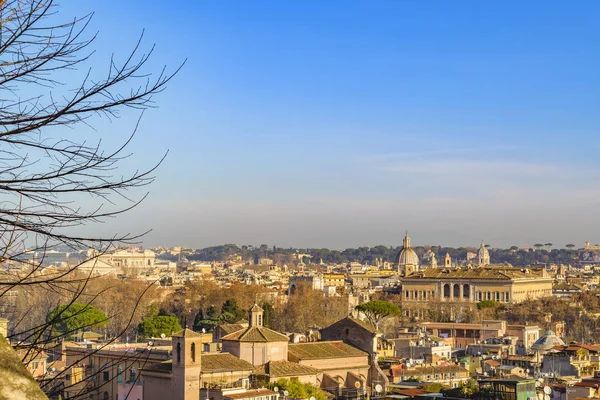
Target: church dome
pixel 483 252
pixel 547 341
pixel 407 255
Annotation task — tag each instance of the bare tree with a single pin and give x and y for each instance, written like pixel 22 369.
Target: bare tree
pixel 54 176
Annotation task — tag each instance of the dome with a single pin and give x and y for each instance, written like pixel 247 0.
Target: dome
pixel 483 252
pixel 483 255
pixel 547 341
pixel 407 256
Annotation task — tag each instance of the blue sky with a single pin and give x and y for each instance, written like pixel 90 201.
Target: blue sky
pixel 344 123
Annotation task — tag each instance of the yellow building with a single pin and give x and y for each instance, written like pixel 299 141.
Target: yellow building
pixel 505 285
pixel 334 280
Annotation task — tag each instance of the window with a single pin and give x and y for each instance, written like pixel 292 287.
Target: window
pixel 105 376
pixel 446 290
pixel 193 352
pixel 178 353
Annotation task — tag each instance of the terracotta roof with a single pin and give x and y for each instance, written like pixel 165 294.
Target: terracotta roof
pixel 226 329
pixel 476 273
pixel 587 384
pixel 410 392
pixel 285 368
pixel 221 362
pixel 492 363
pixel 429 370
pixel 363 324
pixel 330 349
pixel 186 333
pixel 256 334
pixel 250 393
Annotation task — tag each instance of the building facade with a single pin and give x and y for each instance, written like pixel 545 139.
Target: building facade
pixel 504 285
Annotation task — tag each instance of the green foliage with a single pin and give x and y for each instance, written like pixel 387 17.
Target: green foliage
pixel 269 311
pixel 155 326
pixel 230 306
pixel 197 326
pixel 69 319
pixel 434 387
pixel 486 304
pixel 378 310
pixel 230 313
pixel 468 389
pixel 211 313
pixel 227 318
pixel 298 389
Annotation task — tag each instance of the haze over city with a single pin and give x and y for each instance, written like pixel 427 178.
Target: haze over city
pixel 343 124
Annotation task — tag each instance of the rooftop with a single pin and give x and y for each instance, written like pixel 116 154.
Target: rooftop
pixel 256 334
pixel 186 333
pixel 222 362
pixel 476 273
pixel 319 350
pixel 250 393
pixel 285 368
pixel 439 369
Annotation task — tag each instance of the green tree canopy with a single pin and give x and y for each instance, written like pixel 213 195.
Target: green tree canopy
pixel 377 311
pixel 69 319
pixel 268 315
pixel 155 326
pixel 434 387
pixel 230 306
pixel 297 389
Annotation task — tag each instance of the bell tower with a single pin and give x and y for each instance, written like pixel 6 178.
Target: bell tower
pixel 448 261
pixel 255 316
pixel 187 346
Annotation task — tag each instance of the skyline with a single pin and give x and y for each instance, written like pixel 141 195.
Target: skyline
pixel 336 125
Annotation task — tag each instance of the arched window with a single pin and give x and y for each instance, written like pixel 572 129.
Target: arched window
pixel 105 396
pixel 193 352
pixel 456 291
pixel 178 353
pixel 446 290
pixel 466 291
